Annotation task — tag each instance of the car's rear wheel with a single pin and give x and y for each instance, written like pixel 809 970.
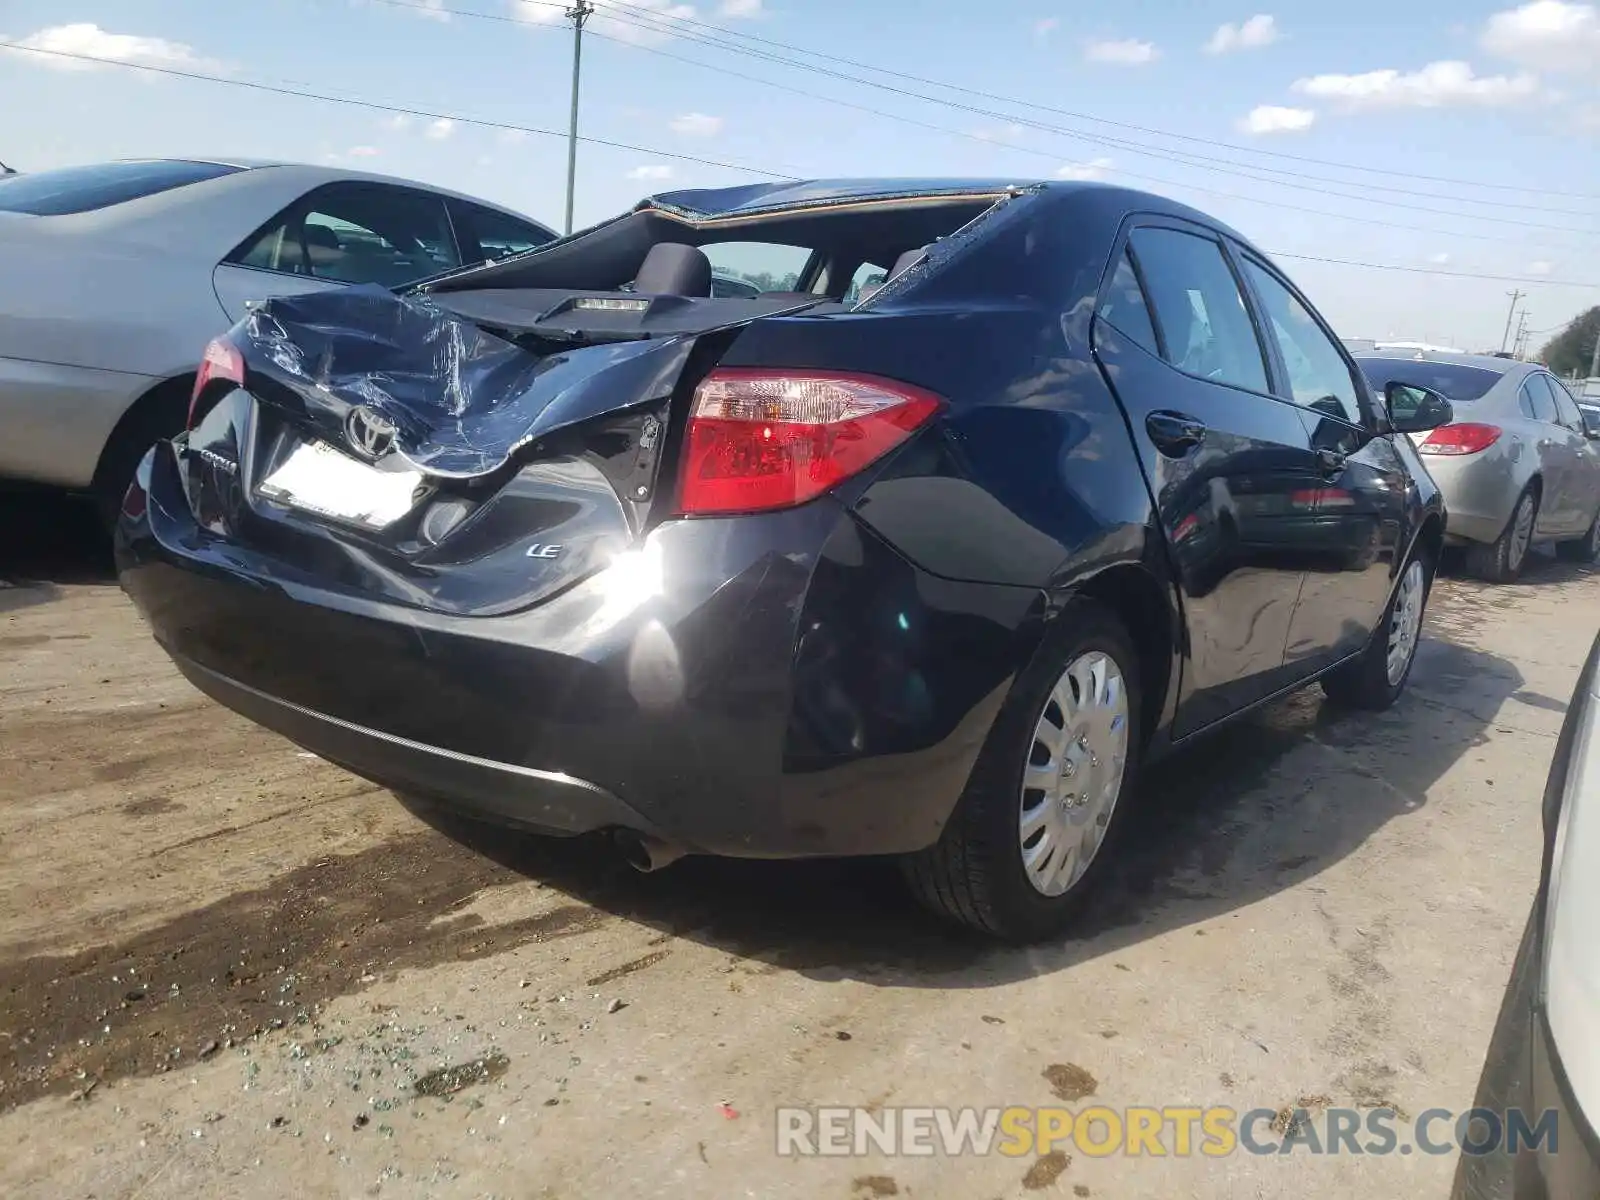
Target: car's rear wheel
pixel 1034 829
pixel 1585 549
pixel 1500 561
pixel 1376 678
pixel 157 414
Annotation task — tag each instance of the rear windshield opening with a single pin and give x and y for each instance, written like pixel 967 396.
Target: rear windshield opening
pixel 1455 382
pixel 69 190
pixel 833 253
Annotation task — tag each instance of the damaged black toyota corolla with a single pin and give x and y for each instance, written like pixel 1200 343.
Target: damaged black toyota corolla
pixel 924 570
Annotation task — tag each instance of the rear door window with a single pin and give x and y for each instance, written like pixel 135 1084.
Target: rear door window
pixel 1566 411
pixel 83 189
pixel 1206 328
pixel 487 235
pixel 357 233
pixel 1540 400
pixel 1124 306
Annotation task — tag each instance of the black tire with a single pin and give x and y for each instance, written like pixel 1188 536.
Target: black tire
pixel 974 874
pixel 1364 681
pixel 1585 549
pixel 1499 561
pixel 156 415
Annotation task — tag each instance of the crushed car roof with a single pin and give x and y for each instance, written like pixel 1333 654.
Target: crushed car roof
pixel 761 197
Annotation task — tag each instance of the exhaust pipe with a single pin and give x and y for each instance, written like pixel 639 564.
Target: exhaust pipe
pixel 645 853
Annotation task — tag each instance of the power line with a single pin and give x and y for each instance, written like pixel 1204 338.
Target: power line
pixel 1346 262
pixel 655 22
pixel 667 27
pixel 401 109
pixel 948 86
pixel 1031 150
pixel 429 114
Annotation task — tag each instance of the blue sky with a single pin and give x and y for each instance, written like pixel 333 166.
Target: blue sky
pixel 1484 93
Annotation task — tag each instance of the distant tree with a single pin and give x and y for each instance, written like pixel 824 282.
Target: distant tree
pixel 1572 348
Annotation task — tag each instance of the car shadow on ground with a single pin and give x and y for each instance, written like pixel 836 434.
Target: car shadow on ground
pixel 47 542
pixel 1258 807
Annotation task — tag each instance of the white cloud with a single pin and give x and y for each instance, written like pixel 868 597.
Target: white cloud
pixel 651 171
pixel 1548 34
pixel 1125 53
pixel 1437 85
pixel 642 22
pixel 363 152
pixel 511 137
pixel 740 8
pixel 1273 118
pixel 1440 259
pixel 433 10
pixel 398 123
pixel 1045 26
pixel 696 124
pixel 1007 135
pixel 1540 267
pixel 92 42
pixel 1095 168
pixel 440 129
pixel 1259 30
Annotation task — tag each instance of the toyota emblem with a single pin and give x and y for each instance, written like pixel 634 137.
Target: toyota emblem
pixel 369 432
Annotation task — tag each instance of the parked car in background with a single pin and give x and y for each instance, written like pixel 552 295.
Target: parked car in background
pixel 725 287
pixel 783 575
pixel 115 273
pixel 1518 465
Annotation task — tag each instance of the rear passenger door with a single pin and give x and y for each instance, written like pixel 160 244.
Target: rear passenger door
pixel 1557 459
pixel 1583 472
pixel 1228 465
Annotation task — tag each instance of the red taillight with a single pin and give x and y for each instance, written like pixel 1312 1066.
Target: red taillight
pixel 761 439
pixel 1465 438
pixel 221 360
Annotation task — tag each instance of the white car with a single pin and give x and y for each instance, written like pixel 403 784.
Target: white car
pixel 117 274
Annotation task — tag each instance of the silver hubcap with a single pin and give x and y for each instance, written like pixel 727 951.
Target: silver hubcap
pixel 1406 622
pixel 1074 773
pixel 1521 531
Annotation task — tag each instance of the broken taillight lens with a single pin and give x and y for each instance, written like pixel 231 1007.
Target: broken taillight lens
pixel 1468 437
pixel 221 361
pixel 763 439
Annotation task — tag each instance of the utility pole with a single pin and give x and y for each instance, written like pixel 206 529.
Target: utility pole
pixel 1594 358
pixel 1522 336
pixel 1504 337
pixel 577 14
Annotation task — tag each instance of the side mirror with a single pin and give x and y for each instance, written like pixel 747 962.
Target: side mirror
pixel 1591 423
pixel 1416 409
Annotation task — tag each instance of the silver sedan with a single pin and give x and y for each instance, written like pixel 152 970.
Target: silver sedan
pixel 1517 465
pixel 117 274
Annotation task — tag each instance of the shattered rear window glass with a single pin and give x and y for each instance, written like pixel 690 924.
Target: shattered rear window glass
pixel 83 189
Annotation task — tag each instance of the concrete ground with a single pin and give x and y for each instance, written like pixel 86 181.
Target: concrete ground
pixel 229 968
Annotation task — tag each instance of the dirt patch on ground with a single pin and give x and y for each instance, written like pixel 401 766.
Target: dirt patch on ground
pixel 258 960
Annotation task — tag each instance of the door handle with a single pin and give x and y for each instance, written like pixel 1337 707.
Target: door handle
pixel 1331 461
pixel 1174 434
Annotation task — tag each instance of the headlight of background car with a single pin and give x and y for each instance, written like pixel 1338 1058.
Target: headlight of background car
pixel 1571 983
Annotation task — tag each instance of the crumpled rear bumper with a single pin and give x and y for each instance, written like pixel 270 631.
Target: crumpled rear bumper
pixel 759 686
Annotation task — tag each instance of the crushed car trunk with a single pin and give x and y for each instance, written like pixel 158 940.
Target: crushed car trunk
pixel 495 435
pixel 390 445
